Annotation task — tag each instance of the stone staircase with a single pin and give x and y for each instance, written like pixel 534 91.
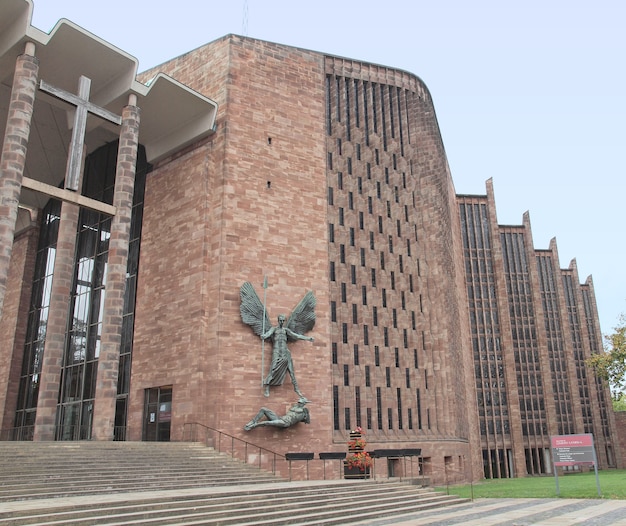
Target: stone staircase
pixel 62 469
pixel 148 483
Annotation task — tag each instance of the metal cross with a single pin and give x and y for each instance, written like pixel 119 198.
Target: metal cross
pixel 83 107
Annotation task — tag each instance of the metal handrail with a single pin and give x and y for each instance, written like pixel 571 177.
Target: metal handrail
pixel 234 446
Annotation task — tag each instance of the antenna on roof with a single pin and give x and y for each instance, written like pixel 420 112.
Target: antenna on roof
pixel 244 22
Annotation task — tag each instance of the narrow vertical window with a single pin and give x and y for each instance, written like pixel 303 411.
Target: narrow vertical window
pixel 336 407
pixel 419 410
pixel 365 114
pixel 347 95
pixel 379 408
pixel 399 399
pixel 338 99
pixel 374 110
pixel 357 116
pixel 329 120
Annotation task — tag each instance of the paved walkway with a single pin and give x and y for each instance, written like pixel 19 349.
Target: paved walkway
pixel 481 512
pixel 519 512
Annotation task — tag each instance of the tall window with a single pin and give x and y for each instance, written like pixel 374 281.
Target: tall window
pixel 83 337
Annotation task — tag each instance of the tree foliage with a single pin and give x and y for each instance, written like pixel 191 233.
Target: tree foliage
pixel 611 365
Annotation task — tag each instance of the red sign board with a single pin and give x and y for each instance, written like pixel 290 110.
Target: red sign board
pixel 569 450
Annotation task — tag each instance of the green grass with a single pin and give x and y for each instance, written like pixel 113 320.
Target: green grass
pixel 573 486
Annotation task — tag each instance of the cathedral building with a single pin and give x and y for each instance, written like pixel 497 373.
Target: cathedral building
pixel 134 208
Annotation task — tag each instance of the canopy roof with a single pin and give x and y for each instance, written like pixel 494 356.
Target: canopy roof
pixel 172 115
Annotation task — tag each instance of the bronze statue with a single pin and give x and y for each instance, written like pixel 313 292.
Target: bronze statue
pixel 302 320
pixel 296 413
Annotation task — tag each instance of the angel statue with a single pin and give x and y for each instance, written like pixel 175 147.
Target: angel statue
pixel 301 321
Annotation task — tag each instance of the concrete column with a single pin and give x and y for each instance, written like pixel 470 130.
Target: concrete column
pixel 108 362
pixel 13 157
pixel 45 421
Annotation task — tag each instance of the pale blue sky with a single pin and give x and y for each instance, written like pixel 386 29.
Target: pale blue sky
pixel 531 94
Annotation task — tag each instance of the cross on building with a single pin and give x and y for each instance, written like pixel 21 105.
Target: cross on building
pixel 83 107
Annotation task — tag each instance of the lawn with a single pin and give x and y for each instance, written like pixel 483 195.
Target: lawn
pixel 573 486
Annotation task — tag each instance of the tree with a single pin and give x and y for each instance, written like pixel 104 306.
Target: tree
pixel 611 365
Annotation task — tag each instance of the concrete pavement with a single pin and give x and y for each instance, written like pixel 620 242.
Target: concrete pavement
pixel 519 512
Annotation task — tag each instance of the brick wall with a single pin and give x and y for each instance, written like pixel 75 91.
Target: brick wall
pixel 248 202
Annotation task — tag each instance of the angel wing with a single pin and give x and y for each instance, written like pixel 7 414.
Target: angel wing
pixel 252 311
pixel 302 319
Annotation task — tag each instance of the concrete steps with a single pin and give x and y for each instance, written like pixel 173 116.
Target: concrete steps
pixel 53 487
pixel 61 469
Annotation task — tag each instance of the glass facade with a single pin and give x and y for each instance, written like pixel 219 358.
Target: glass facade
pixel 491 388
pixel 84 324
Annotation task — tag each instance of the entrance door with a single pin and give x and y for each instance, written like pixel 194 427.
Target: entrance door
pixel 157 414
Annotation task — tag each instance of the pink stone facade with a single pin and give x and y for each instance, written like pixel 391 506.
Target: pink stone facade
pixel 329 175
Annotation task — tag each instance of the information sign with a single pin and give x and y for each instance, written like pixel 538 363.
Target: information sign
pixel 571 450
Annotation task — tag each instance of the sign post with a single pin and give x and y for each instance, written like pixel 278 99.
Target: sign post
pixel 572 450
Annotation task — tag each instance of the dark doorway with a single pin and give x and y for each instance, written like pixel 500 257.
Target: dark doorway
pixel 157 414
